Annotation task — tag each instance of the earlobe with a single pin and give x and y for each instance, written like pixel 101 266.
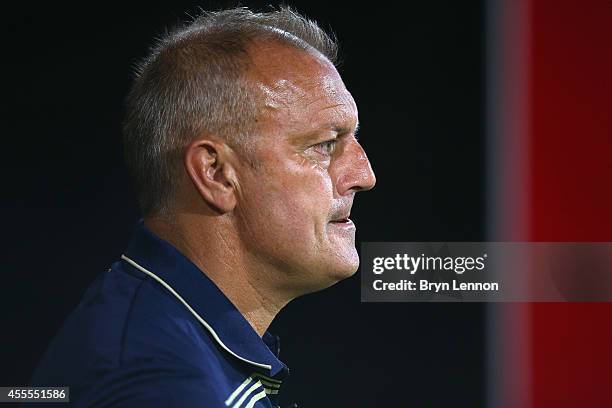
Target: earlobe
pixel 211 174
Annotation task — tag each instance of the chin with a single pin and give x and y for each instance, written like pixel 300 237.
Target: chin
pixel 326 269
pixel 326 275
pixel 342 258
pixel 344 266
pixel 347 271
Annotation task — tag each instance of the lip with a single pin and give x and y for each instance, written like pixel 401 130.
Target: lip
pixel 345 223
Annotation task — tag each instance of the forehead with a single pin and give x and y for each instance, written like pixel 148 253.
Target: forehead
pixel 301 91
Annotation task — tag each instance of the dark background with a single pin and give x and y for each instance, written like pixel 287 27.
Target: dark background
pixel 417 73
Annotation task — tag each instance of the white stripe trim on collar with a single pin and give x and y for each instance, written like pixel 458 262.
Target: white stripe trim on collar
pixel 255 398
pixel 194 313
pixel 269 386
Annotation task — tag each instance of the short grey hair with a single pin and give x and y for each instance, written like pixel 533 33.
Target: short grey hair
pixel 193 82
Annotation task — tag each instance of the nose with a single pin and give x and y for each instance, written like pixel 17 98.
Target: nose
pixel 354 170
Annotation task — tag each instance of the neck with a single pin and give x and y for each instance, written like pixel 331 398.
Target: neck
pixel 211 245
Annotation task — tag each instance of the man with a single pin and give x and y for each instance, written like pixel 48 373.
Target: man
pixel 240 136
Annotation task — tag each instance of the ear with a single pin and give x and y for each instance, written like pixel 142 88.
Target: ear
pixel 212 174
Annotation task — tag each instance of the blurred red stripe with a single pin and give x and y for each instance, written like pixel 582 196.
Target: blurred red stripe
pixel 571 190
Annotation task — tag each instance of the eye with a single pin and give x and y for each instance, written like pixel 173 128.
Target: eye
pixel 326 148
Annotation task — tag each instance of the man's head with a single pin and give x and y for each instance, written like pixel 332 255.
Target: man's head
pixel 243 119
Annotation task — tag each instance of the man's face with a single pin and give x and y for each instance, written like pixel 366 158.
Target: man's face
pixel 294 204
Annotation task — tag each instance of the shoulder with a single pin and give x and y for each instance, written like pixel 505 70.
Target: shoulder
pixel 130 342
pixel 123 318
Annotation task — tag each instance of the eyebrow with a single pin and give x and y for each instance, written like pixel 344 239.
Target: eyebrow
pixel 343 129
pixel 338 129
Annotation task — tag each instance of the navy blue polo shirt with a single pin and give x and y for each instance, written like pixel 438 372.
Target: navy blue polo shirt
pixel 155 331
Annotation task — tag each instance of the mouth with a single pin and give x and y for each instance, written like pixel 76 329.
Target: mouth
pixel 343 222
pixel 339 217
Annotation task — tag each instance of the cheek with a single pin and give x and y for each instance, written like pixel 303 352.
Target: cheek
pixel 296 196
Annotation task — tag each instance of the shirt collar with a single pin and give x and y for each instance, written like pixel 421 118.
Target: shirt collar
pixel 226 325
